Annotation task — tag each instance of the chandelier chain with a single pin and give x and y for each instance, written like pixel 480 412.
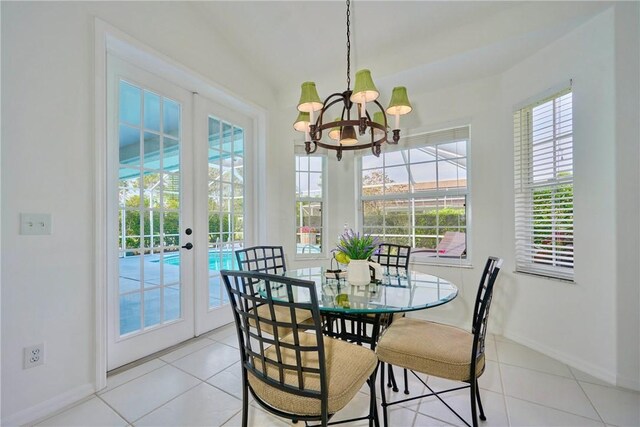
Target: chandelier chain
pixel 348 47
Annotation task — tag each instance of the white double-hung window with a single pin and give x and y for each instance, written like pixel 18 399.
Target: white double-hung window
pixel 543 165
pixel 419 195
pixel 310 196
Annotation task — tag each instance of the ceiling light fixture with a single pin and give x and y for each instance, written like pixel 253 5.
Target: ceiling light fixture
pixel 342 128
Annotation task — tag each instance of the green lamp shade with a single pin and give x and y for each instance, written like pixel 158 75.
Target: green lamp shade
pixel 348 136
pixel 399 103
pixel 364 86
pixel 302 122
pixel 334 133
pixel 309 99
pixel 378 117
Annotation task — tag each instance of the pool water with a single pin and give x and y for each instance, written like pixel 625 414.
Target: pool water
pixel 217 260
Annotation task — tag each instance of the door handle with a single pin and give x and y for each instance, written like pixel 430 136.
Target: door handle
pixel 188 246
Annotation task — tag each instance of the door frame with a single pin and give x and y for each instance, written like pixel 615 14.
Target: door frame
pixel 162 335
pixel 110 39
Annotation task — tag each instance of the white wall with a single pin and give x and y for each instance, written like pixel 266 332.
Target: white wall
pixel 47 166
pixel 562 319
pixel 627 54
pixel 592 324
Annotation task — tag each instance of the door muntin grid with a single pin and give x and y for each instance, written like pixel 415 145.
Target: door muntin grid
pixel 149 198
pixel 226 205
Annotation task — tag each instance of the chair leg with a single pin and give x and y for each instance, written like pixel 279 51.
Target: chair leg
pixel 482 417
pixel 472 388
pixel 373 404
pixel 392 380
pixel 383 395
pixel 245 405
pixel 406 382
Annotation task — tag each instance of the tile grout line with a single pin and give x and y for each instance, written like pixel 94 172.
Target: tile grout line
pixel 62 410
pixel 114 410
pixel 538 370
pixel 188 354
pixel 504 390
pixel 218 388
pixel 168 401
pixel 587 396
pixel 198 378
pixel 559 410
pixel 104 390
pixel 158 358
pixel 551 407
pixel 421 401
pixel 554 375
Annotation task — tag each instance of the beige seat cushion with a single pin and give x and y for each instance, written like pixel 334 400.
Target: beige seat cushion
pixel 347 367
pixel 283 314
pixel 429 347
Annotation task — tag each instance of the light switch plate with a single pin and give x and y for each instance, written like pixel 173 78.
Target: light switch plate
pixel 35 224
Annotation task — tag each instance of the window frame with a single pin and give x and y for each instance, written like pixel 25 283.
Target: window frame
pixel 415 141
pixel 323 207
pixel 525 187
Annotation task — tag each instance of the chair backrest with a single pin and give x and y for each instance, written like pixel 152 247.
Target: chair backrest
pixel 392 255
pixel 453 244
pixel 483 303
pixel 250 290
pixel 264 259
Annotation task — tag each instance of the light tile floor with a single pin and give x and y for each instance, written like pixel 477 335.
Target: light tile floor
pixel 199 385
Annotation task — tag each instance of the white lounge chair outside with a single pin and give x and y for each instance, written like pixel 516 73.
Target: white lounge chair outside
pixel 452 245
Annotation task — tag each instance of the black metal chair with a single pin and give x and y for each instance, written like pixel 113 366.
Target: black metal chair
pixel 441 350
pixel 392 256
pixel 265 259
pixel 302 375
pixel 395 258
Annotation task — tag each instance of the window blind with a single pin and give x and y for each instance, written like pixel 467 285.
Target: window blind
pixel 543 166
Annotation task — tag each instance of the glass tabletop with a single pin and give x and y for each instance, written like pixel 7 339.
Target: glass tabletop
pixel 407 291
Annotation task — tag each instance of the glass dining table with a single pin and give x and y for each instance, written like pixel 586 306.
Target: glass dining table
pixel 359 313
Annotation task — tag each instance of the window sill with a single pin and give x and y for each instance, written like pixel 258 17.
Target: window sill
pixel 463 264
pixel 542 276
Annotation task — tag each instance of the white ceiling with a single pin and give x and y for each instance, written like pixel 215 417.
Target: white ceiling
pixel 431 44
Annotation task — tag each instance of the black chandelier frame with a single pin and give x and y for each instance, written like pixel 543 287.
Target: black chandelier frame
pixel 363 122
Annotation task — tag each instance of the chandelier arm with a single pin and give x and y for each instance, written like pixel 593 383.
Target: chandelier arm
pixel 340 97
pixel 315 130
pixel 307 147
pixel 339 123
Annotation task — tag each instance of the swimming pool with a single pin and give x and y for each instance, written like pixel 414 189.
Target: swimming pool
pixel 217 260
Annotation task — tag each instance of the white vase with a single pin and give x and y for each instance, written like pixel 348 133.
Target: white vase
pixel 358 272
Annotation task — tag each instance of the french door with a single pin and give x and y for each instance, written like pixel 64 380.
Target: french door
pixel 176 211
pixel 221 137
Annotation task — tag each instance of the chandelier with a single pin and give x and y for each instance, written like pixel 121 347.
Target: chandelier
pixel 313 113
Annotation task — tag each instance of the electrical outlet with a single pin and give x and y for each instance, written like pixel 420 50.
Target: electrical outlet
pixel 33 356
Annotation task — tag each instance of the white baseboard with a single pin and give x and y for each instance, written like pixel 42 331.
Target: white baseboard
pixel 49 407
pixel 587 367
pixel 630 383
